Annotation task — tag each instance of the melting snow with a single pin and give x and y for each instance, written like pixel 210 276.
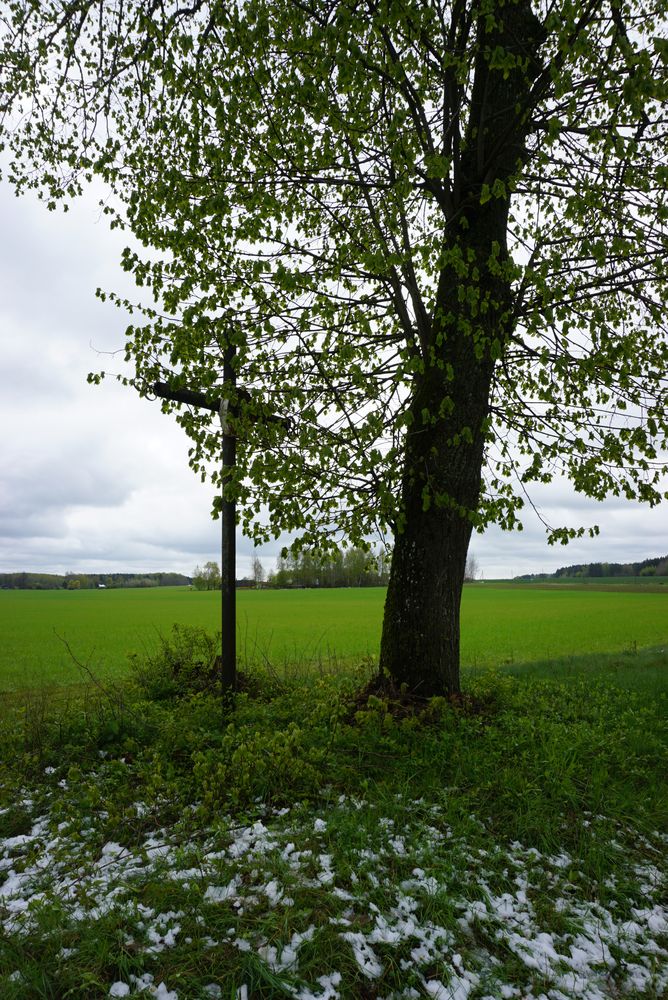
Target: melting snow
pixel 256 865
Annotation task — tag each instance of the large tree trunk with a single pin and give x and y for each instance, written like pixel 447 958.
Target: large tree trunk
pixel 442 474
pixel 440 489
pixel 420 642
pixel 470 325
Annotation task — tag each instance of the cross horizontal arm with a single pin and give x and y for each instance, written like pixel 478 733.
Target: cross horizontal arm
pixel 165 391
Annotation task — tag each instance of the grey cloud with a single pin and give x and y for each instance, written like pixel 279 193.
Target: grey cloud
pixel 626 535
pixel 54 262
pixel 40 488
pixel 38 525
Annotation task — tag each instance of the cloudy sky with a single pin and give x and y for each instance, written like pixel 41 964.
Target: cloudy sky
pixel 95 479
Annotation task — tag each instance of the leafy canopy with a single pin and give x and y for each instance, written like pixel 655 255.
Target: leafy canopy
pixel 296 176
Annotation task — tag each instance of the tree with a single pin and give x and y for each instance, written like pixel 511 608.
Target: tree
pixel 383 562
pixel 471 568
pixel 356 565
pixel 208 577
pixel 434 233
pixel 212 575
pixel 257 571
pixel 283 575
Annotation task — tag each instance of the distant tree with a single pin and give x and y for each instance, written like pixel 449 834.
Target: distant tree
pixel 307 568
pixel 384 563
pixel 471 571
pixel 283 575
pixel 206 577
pixel 333 571
pixel 257 572
pixel 356 566
pixel 171 580
pixel 212 575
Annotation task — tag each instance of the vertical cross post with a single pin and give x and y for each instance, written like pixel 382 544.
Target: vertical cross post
pixel 228 569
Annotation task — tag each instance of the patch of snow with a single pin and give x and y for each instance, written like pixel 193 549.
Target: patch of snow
pixel 273 892
pixel 329 988
pixel 288 955
pixel 119 989
pixel 221 893
pixel 364 954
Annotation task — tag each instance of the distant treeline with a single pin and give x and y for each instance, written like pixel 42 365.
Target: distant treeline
pixel 343 568
pixel 89 581
pixel 657 566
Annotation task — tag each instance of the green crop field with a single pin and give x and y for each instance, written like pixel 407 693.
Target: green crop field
pixel 499 625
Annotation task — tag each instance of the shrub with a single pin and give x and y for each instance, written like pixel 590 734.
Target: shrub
pixel 281 765
pixel 186 663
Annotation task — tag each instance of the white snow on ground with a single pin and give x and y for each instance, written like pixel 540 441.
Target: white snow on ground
pixel 285 958
pixel 496 901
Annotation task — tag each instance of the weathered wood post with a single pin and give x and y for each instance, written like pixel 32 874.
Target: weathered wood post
pixel 228 555
pixel 222 406
pixel 228 568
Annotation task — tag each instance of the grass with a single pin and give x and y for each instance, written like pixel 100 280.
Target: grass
pixel 499 625
pixel 104 626
pixel 314 843
pixel 615 584
pixel 612 581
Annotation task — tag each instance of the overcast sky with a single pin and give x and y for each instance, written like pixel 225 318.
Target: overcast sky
pixel 95 479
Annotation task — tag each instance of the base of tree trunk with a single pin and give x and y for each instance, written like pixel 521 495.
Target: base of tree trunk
pixel 419 650
pixel 402 704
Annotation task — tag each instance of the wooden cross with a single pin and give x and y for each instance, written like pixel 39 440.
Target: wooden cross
pixel 220 405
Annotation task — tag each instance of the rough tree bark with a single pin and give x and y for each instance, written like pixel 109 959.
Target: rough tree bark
pixel 471 323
